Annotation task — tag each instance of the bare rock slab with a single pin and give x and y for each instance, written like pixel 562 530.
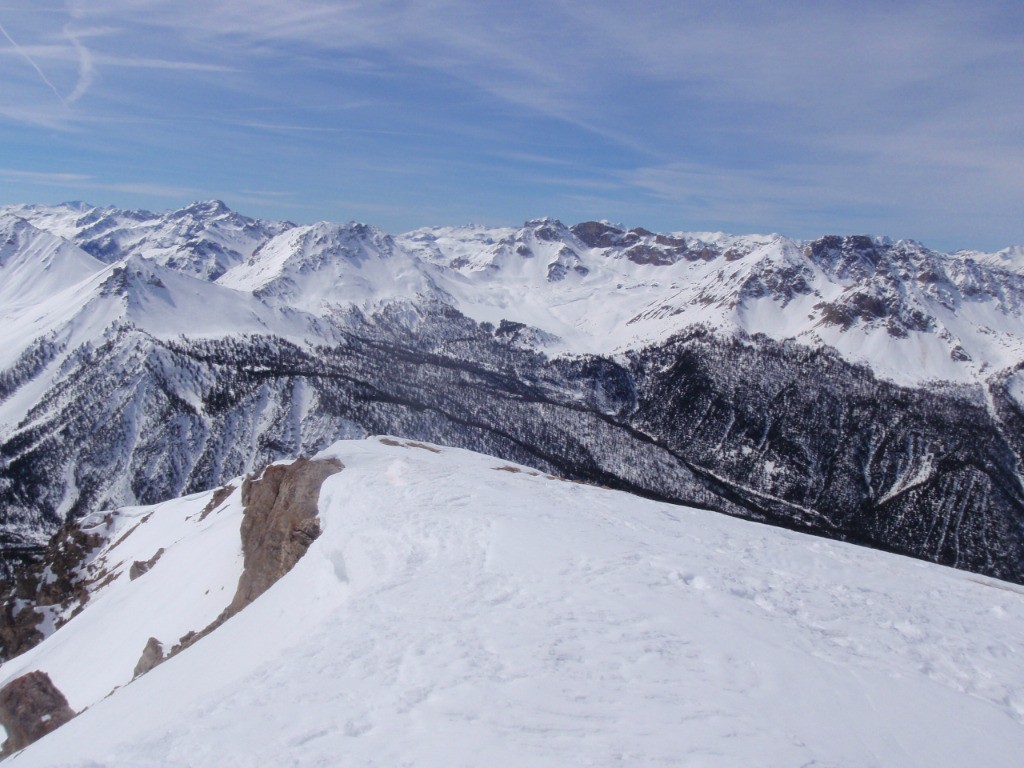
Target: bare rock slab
pixel 152 655
pixel 31 706
pixel 280 522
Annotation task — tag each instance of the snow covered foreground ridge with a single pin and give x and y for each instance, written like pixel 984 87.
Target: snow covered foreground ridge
pixel 93 558
pixel 461 610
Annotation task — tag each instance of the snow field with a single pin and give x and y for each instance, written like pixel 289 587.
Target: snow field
pixel 456 612
pixel 188 586
pixel 205 271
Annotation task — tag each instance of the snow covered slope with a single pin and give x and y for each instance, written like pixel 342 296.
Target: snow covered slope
pixel 458 610
pixel 914 315
pixel 35 265
pixel 148 355
pixel 203 239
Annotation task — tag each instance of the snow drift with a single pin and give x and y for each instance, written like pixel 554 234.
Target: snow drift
pixel 461 610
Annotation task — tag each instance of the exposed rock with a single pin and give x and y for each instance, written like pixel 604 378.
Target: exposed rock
pixel 19 627
pixel 597 235
pixel 556 271
pixel 152 655
pixel 54 580
pixel 549 230
pixel 280 522
pixel 960 354
pixel 64 556
pixel 140 567
pixel 31 706
pixel 647 254
pixel 219 497
pixel 423 446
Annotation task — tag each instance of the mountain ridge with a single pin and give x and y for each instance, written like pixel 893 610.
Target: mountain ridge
pixel 459 608
pixel 836 386
pixel 957 317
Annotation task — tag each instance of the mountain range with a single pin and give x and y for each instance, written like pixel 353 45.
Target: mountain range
pixel 850 386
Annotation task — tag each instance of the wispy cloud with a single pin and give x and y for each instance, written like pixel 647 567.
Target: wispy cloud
pixel 798 114
pixel 33 64
pixel 137 62
pixel 86 66
pixel 152 189
pixel 321 129
pixel 85 181
pixel 42 177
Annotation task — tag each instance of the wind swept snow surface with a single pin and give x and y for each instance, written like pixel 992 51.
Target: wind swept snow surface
pixel 461 611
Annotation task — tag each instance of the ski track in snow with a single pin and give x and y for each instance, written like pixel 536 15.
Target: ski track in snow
pixel 454 615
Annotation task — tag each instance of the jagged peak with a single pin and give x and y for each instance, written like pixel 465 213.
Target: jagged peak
pixel 547 229
pixel 77 205
pixel 343 235
pixel 12 225
pixel 204 208
pixel 543 221
pixel 11 222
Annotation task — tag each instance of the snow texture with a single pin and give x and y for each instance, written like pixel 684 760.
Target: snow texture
pixel 912 314
pixel 458 610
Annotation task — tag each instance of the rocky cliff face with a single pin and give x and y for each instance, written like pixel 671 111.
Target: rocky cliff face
pixel 280 523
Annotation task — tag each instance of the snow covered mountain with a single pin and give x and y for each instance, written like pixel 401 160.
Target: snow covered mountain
pixel 450 608
pixel 203 240
pixel 1011 258
pixel 329 267
pixel 866 390
pixel 912 314
pixel 36 265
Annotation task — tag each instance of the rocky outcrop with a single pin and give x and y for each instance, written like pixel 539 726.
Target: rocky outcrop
pixel 19 627
pixel 140 567
pixel 280 523
pixel 219 497
pixel 31 706
pixel 56 580
pixel 152 655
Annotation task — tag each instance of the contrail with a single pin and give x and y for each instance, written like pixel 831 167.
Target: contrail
pixel 34 65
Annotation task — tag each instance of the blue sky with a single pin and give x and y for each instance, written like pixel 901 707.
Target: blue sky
pixel 898 118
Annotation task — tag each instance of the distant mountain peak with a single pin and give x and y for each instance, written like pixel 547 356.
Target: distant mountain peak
pixel 597 286
pixel 205 208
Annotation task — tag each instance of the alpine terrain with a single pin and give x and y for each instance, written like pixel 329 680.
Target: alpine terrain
pixel 858 388
pixel 394 602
